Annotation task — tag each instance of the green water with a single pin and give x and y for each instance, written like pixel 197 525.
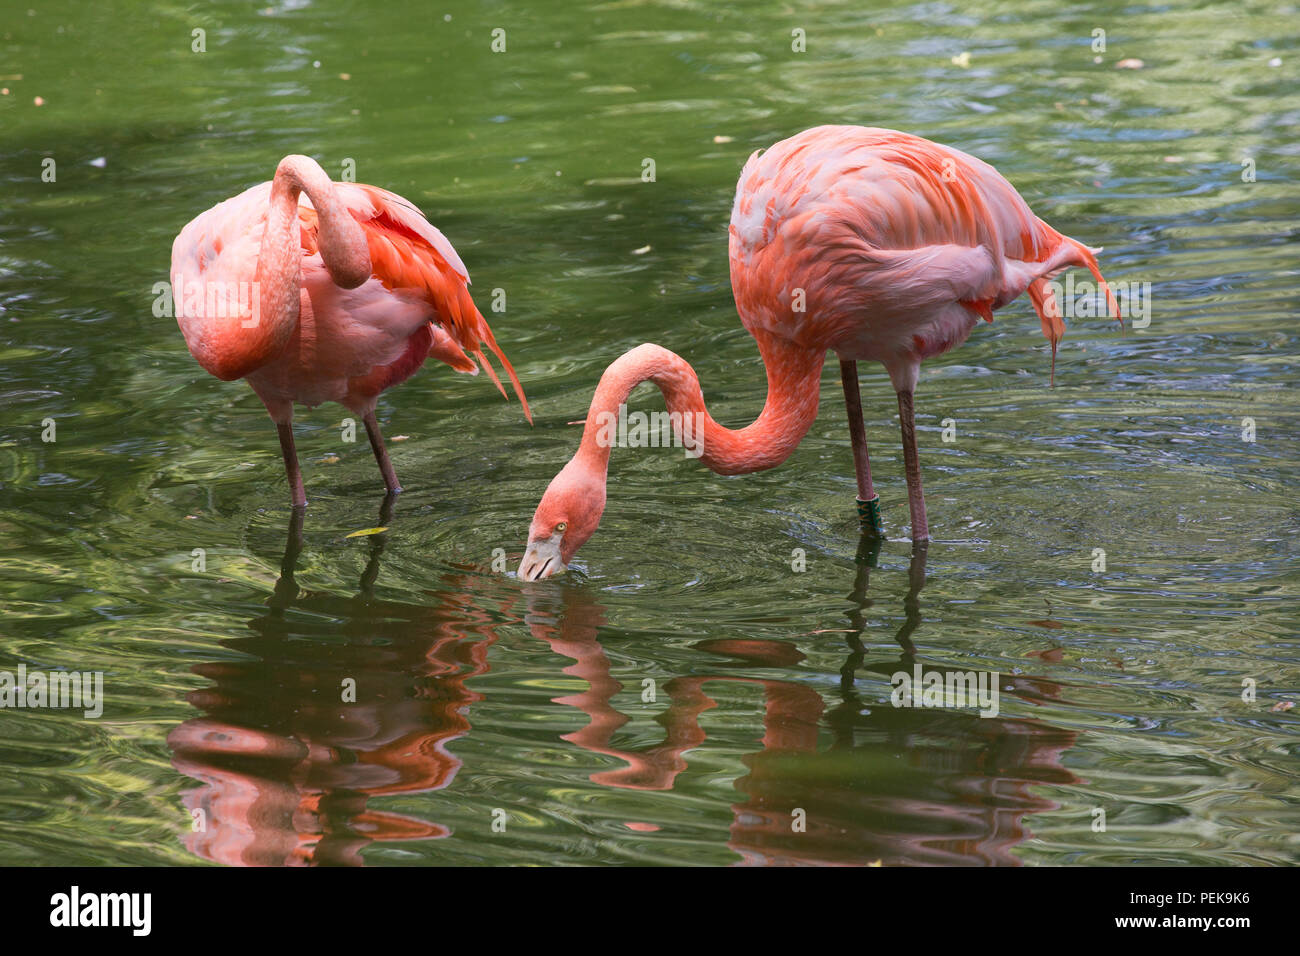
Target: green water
pixel 685 692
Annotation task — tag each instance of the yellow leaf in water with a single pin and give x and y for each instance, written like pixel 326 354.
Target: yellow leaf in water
pixel 365 531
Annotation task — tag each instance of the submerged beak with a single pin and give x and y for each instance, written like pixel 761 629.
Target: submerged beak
pixel 542 559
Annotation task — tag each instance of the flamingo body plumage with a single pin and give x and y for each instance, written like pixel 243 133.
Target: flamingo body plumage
pixel 316 291
pixel 869 243
pixel 899 244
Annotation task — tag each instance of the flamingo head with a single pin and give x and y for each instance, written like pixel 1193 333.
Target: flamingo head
pixel 565 518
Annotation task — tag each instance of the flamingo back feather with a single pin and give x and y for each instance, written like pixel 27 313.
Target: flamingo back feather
pixel 887 225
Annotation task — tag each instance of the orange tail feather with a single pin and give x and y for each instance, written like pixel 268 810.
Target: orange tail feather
pixel 481 335
pixel 492 373
pixel 1089 261
pixel 1044 299
pixel 514 379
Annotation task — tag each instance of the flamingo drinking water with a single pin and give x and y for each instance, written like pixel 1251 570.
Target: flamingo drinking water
pixel 870 243
pixel 318 291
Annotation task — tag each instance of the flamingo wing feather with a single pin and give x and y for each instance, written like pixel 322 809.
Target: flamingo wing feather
pixel 409 254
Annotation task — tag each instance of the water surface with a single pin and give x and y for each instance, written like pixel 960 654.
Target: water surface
pixel 1122 689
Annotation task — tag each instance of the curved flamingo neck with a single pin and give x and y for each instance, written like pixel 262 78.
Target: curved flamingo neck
pixel 341 240
pixel 793 389
pixel 279 258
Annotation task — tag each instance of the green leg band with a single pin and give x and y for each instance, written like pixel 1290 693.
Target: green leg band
pixel 869 514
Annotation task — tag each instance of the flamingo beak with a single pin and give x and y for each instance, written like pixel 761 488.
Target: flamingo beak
pixel 542 559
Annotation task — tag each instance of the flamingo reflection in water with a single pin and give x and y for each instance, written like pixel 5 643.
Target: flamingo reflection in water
pixel 287 769
pixel 958 795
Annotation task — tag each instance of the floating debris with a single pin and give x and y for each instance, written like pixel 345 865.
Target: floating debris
pixel 367 531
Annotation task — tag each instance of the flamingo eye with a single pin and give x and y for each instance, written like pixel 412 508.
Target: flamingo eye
pixel 562 526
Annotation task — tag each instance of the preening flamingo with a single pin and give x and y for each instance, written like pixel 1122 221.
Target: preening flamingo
pixel 871 243
pixel 316 291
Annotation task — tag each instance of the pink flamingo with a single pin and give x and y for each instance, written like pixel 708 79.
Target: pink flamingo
pixel 318 291
pixel 872 243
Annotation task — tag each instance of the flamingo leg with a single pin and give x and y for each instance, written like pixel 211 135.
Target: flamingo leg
pixel 381 453
pixel 912 466
pixel 291 468
pixel 868 500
